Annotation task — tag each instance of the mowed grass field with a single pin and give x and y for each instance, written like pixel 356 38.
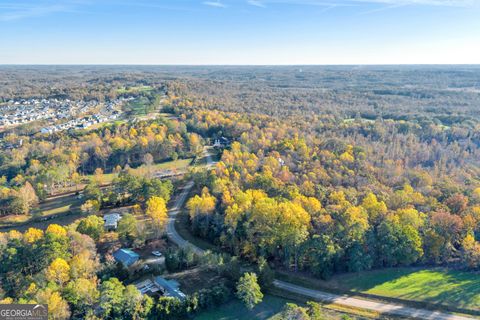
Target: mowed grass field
pixel 134 89
pixel 449 287
pixel 57 205
pixel 139 107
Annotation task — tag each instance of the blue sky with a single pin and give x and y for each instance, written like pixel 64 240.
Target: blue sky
pixel 239 31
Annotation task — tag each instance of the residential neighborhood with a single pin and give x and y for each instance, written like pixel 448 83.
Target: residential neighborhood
pixel 62 114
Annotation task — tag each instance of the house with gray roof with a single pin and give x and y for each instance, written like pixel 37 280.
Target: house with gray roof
pixel 111 221
pixel 126 257
pixel 171 288
pixel 160 286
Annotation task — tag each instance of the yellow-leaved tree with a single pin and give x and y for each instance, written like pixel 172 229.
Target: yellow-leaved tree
pixel 58 308
pixel 157 211
pixel 58 271
pixel 200 209
pixel 57 230
pixel 32 235
pixel 201 205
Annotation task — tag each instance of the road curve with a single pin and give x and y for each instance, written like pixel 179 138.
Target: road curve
pixel 345 300
pixel 172 233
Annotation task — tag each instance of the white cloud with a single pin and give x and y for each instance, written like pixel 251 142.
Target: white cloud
pixel 216 4
pixel 450 3
pixel 256 3
pixel 20 10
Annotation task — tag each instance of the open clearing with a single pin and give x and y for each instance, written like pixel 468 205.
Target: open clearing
pixel 50 207
pixel 268 309
pixel 174 165
pixel 192 280
pixel 448 287
pixel 139 107
pixel 134 89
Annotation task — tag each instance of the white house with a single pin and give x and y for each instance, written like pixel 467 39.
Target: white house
pixel 111 221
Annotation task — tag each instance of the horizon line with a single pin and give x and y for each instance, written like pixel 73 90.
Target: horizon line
pixel 238 65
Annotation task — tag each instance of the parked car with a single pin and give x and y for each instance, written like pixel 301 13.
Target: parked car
pixel 157 253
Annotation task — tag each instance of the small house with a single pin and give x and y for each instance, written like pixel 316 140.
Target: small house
pixel 170 288
pixel 126 257
pixel 221 143
pixel 111 221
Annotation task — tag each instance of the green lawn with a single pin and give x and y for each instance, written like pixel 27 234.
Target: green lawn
pixel 139 107
pixel 453 288
pixel 13 220
pixel 134 89
pixel 177 165
pixel 57 205
pixel 235 310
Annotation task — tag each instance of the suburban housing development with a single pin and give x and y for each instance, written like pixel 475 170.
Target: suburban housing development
pixel 61 114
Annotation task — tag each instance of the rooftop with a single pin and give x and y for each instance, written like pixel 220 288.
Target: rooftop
pixel 171 287
pixel 126 257
pixel 111 220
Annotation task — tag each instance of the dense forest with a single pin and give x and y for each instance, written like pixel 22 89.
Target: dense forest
pixel 329 170
pixel 389 179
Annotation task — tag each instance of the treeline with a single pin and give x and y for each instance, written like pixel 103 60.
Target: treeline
pixel 72 82
pixel 448 94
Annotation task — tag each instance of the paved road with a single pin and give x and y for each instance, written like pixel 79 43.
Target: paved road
pixel 172 234
pixel 381 307
pixel 206 154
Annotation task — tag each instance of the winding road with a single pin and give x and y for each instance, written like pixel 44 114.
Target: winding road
pixel 345 300
pixel 172 233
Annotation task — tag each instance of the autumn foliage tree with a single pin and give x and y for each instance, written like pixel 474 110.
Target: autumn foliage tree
pixel 157 211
